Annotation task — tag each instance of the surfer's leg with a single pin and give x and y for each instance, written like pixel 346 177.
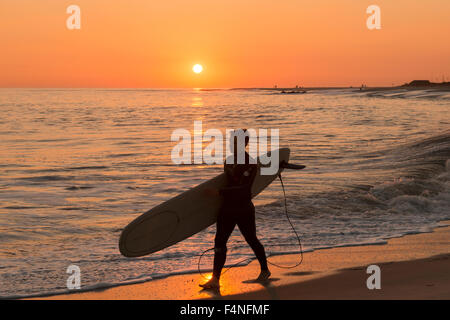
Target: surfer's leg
pixel 225 226
pixel 247 225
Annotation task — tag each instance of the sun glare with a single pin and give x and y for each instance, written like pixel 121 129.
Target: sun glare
pixel 197 68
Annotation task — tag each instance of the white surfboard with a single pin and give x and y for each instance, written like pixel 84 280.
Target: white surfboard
pixel 182 216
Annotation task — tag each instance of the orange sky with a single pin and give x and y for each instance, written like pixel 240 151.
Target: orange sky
pixel 245 43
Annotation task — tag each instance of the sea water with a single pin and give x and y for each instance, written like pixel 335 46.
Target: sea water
pixel 77 165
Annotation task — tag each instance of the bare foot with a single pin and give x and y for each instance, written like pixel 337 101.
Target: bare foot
pixel 264 275
pixel 211 284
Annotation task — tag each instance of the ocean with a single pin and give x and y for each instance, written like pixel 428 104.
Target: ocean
pixel 77 165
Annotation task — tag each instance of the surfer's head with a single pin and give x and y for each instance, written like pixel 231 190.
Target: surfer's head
pixel 239 140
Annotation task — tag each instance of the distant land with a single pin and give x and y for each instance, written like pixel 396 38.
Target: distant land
pixel 413 85
pixel 426 84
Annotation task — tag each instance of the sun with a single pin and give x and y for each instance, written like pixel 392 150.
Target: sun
pixel 197 68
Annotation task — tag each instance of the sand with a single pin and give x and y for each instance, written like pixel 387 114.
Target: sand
pixel 412 267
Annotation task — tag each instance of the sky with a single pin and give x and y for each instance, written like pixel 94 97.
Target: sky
pixel 245 43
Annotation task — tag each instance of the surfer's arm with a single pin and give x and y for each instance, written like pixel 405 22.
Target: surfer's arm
pixel 225 191
pixel 246 186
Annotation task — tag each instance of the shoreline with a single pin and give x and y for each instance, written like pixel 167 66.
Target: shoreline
pixel 322 268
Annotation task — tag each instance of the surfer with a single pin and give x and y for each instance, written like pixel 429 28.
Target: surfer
pixel 237 209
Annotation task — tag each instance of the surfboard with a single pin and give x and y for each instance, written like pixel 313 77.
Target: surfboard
pixel 183 216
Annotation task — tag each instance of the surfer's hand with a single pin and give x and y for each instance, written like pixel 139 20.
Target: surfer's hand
pixel 211 192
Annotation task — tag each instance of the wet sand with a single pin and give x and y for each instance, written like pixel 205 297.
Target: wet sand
pixel 412 267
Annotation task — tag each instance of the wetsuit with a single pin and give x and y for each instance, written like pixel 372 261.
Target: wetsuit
pixel 237 209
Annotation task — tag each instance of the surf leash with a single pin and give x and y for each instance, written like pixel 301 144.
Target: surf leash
pixel 293 229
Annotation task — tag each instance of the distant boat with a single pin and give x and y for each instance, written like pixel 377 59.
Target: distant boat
pixel 293 92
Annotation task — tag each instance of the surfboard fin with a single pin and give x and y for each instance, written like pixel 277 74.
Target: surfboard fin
pixel 292 166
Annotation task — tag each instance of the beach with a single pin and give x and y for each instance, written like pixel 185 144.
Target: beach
pixel 412 267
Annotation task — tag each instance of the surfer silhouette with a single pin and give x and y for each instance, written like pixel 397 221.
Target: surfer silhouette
pixel 237 209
